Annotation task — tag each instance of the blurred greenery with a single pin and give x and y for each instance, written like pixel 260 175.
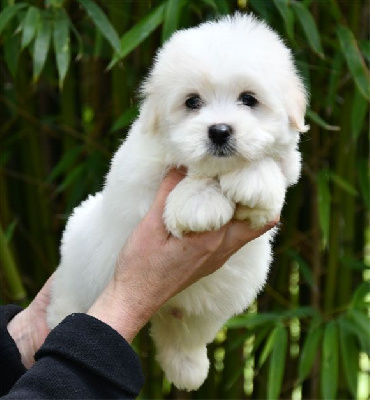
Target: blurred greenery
pixel 70 70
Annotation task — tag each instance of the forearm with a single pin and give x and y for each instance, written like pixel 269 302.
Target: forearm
pixel 126 309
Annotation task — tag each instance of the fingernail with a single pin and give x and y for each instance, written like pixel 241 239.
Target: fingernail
pixel 274 222
pixel 182 169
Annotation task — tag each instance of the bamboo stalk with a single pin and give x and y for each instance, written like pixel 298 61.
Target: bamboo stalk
pixel 119 15
pixel 232 384
pixel 10 271
pixel 38 210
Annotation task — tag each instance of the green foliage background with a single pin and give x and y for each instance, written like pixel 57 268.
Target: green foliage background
pixel 70 70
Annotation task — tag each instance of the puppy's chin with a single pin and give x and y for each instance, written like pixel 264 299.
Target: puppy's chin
pixel 215 165
pixel 225 151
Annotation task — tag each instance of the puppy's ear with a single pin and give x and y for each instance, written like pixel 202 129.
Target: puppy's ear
pixel 149 115
pixel 295 99
pixel 149 109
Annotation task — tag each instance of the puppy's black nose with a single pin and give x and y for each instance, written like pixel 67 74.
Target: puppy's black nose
pixel 219 133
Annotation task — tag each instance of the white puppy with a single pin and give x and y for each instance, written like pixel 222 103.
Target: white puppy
pixel 223 99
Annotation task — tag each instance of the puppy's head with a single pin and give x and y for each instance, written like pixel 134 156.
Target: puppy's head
pixel 223 93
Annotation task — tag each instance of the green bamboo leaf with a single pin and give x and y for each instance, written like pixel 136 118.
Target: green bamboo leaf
pixel 54 3
pixel 300 312
pixel 136 35
pixel 358 114
pixel 73 176
pixel 319 121
pixel 358 323
pixel 231 345
pixel 329 362
pixel 277 363
pixel 324 204
pixel 309 351
pixel 102 23
pixel 335 76
pixel 260 334
pixel 308 24
pixel 12 49
pixel 30 24
pixel 360 318
pixel 98 44
pixel 8 13
pixel 61 43
pixel 211 4
pixel 262 8
pixel 232 379
pixel 125 119
pixel 41 45
pixel 365 49
pixel 171 18
pixel 349 350
pixel 353 263
pixel 77 192
pixel 354 59
pixel 267 349
pixel 10 270
pixel 342 183
pixel 361 296
pixel 79 41
pixel 287 15
pixel 252 320
pixel 363 171
pixel 335 10
pixel 223 7
pixel 219 6
pixel 303 266
pixel 9 231
pixel 64 163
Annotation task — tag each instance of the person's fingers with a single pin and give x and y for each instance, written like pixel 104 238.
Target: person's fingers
pixel 173 177
pixel 240 232
pixel 154 217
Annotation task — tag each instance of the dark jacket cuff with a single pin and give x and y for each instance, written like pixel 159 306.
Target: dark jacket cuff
pixel 98 348
pixel 10 358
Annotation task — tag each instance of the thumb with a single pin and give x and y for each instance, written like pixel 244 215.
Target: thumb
pixel 173 177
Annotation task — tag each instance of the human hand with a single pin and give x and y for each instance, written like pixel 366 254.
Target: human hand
pixel 153 265
pixel 29 328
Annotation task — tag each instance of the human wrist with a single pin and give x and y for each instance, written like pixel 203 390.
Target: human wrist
pixel 123 310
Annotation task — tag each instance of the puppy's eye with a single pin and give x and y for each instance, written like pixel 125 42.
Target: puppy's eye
pixel 248 99
pixel 194 102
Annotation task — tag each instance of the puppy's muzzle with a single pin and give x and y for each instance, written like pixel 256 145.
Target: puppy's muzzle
pixel 219 133
pixel 222 142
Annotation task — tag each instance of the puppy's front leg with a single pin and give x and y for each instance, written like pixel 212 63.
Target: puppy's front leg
pixel 258 189
pixel 197 205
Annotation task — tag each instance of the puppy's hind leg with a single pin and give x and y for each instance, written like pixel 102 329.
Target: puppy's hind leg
pixel 181 341
pixel 187 368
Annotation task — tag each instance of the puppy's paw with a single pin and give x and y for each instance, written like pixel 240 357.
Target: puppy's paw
pixel 197 205
pixel 259 191
pixel 258 217
pixel 186 368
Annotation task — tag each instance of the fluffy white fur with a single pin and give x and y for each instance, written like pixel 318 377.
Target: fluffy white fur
pixel 218 61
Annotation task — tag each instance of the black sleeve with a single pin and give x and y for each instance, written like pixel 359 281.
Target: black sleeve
pixel 11 367
pixel 82 358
